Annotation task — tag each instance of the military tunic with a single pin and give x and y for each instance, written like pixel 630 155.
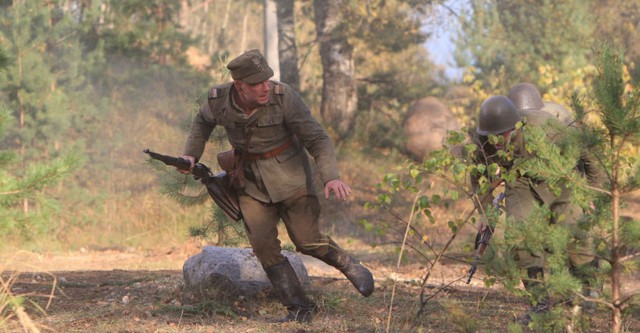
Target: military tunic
pixel 280 186
pixel 286 117
pixel 526 192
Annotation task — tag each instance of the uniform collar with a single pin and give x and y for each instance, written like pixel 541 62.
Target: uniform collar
pixel 237 113
pixel 272 93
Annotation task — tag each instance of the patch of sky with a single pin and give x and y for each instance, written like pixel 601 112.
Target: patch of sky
pixel 443 26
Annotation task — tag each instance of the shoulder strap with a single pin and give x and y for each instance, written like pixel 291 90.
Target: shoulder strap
pixel 278 89
pixel 214 93
pixel 216 99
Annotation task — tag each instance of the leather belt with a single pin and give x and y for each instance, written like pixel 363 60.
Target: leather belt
pixel 271 153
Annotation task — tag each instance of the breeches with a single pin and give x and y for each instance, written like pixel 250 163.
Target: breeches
pixel 300 215
pixel 521 200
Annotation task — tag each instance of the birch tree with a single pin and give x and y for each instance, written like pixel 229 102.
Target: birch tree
pixel 339 95
pixel 287 49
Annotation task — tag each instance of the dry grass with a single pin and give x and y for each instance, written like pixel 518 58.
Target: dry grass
pixel 12 304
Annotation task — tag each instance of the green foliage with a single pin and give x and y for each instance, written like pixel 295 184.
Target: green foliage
pixel 552 321
pixel 543 42
pixel 620 114
pixel 616 24
pixel 6 121
pixel 516 41
pixel 145 32
pixel 4 59
pixel 30 187
pixel 37 177
pixel 220 229
pixel 182 188
pixel 501 43
pixel 630 232
pixel 29 79
pixel 385 25
pixel 18 187
pixel 65 95
pixel 555 164
pixel 463 320
pixel 392 67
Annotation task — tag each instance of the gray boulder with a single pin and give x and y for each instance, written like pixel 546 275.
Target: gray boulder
pixel 226 273
pixel 426 126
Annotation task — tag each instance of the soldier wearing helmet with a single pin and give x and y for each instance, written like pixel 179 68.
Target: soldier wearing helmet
pixel 498 116
pixel 527 99
pixel 502 126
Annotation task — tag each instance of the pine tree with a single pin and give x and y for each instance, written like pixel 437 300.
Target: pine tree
pixel 542 42
pixel 18 186
pixel 145 33
pixel 612 139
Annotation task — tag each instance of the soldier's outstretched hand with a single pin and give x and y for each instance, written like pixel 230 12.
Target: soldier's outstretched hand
pixel 340 188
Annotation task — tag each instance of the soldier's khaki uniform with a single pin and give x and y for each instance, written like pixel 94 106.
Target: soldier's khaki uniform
pixel 273 176
pixel 524 194
pixel 280 186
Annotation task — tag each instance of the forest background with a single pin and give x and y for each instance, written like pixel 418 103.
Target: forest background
pixel 87 85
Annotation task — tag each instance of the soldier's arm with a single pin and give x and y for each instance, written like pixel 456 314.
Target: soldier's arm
pixel 311 134
pixel 201 128
pixel 479 156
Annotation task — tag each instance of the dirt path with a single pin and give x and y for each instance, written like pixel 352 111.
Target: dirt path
pixel 128 291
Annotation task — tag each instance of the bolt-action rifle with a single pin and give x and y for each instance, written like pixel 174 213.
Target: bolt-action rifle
pixel 482 240
pixel 218 185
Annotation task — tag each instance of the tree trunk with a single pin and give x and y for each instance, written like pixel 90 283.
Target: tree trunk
pixel 21 107
pixel 245 25
pixel 271 37
pixel 221 38
pixel 616 265
pixel 287 49
pixel 339 97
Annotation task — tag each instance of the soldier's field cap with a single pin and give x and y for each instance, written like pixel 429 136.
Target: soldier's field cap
pixel 250 67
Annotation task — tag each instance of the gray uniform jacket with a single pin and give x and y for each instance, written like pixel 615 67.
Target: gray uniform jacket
pixel 527 191
pixel 286 118
pixel 587 164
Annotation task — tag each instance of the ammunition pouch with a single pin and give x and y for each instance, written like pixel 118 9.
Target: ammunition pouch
pixel 231 161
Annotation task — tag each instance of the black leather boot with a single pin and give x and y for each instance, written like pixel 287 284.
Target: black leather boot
pixel 360 276
pixel 535 286
pixel 292 295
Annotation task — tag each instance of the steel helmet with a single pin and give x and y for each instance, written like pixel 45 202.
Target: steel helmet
pixel 497 115
pixel 525 96
pixel 559 111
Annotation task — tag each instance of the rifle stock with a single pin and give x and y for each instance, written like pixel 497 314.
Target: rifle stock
pixel 482 240
pixel 200 171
